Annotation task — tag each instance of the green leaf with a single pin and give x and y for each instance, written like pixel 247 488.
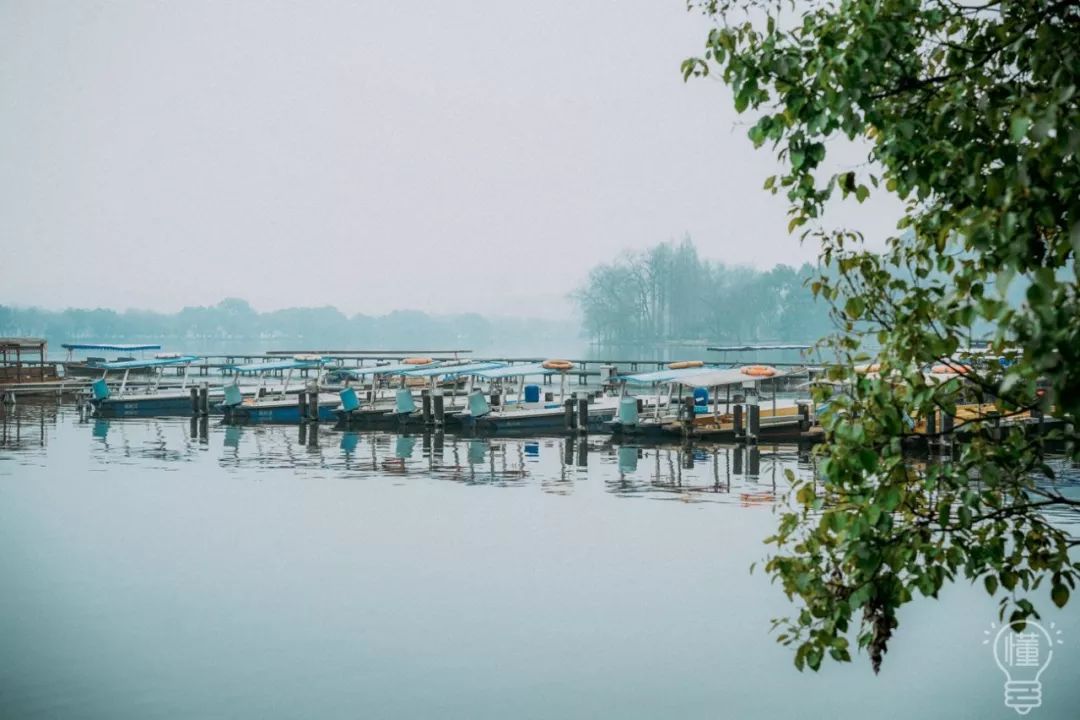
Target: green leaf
pixel 1060 595
pixel 1019 127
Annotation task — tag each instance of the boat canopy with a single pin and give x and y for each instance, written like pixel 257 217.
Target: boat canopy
pixel 280 365
pixel 395 369
pixel 666 375
pixel 731 376
pixel 108 346
pixel 139 364
pixel 516 371
pixel 452 371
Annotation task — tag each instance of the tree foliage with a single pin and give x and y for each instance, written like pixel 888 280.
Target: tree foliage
pixel 668 292
pixel 970 114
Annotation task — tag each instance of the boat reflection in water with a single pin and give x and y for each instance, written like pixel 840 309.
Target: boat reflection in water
pixel 747 475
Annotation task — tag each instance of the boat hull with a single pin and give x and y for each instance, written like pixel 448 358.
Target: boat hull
pixel 514 423
pixel 281 414
pixel 171 406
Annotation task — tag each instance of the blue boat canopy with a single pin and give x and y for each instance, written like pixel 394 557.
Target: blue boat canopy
pixel 281 365
pixel 108 346
pixel 452 371
pixel 139 364
pixel 516 371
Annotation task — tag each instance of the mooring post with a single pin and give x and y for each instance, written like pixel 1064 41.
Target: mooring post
pixel 194 401
pixel 753 422
pixel 583 414
pixel 568 414
pixel 737 419
pixel 425 406
pixel 204 399
pixel 301 403
pixel 440 408
pixel 804 417
pixel 313 406
pixel 688 408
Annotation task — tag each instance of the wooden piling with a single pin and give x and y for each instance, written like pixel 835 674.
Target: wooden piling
pixel 204 399
pixel 301 403
pixel 425 406
pixel 194 401
pixel 568 414
pixel 313 406
pixel 753 422
pixel 438 404
pixel 583 414
pixel 737 419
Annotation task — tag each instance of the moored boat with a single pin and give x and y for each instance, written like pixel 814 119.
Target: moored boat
pixel 93 366
pixel 279 406
pixel 145 400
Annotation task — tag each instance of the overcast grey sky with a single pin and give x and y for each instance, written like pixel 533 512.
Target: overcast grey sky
pixel 443 156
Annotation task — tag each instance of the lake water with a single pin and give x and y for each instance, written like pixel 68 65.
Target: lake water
pixel 159 569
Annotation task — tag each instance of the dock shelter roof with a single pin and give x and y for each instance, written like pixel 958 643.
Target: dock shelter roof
pixel 454 370
pixel 280 365
pixel 139 364
pixel 108 346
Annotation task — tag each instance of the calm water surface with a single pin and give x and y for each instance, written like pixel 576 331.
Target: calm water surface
pixel 159 569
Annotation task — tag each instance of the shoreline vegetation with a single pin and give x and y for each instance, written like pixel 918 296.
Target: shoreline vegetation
pixel 664 297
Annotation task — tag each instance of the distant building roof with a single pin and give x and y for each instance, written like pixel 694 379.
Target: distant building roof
pixel 22 343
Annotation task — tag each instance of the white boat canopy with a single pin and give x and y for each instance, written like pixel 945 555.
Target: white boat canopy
pixel 732 376
pixel 667 375
pixel 452 371
pixel 516 371
pixel 395 369
pixel 281 365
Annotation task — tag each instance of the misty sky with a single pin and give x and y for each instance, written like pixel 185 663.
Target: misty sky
pixel 444 156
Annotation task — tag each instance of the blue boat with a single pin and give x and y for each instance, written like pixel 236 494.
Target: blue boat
pixel 147 400
pixel 280 406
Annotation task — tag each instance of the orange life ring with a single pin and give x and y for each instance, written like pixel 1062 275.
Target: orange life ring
pixel 562 365
pixel 417 361
pixel 950 370
pixel 683 364
pixel 758 371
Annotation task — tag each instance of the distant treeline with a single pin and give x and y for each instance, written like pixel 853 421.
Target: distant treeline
pixel 669 293
pixel 235 320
